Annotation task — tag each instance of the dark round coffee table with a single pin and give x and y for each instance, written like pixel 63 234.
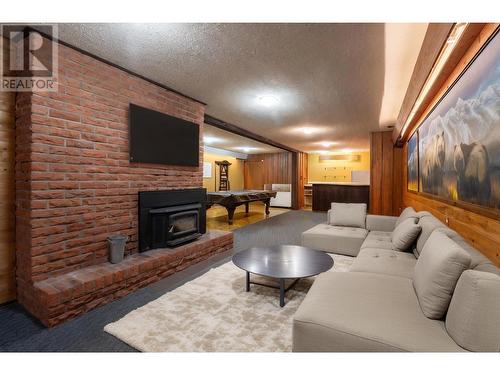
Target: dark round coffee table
pixel 282 262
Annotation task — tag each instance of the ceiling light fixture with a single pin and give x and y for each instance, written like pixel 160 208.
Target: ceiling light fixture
pixel 209 140
pixel 327 143
pixel 307 131
pixel 247 149
pixel 267 100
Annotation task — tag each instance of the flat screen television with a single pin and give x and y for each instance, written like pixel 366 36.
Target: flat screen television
pixel 162 139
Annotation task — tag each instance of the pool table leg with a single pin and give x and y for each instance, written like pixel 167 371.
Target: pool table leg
pixel 268 203
pixel 282 292
pixel 230 214
pixel 246 207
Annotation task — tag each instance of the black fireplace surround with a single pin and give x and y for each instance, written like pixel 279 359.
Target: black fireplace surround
pixel 169 218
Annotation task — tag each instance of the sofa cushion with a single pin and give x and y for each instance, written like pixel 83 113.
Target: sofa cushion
pixel 348 215
pixel 405 234
pixel 378 240
pixel 356 311
pixel 488 267
pixel 438 268
pixel 421 214
pixel 406 214
pixel 339 240
pixel 380 222
pixel 386 262
pixel 428 223
pixel 473 319
pixel 478 260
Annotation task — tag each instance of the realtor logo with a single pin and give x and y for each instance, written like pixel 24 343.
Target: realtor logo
pixel 29 57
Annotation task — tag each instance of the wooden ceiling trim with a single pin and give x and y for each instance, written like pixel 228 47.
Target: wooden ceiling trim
pixel 434 40
pixel 472 40
pixel 210 120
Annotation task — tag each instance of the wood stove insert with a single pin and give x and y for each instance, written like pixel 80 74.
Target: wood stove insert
pixel 170 218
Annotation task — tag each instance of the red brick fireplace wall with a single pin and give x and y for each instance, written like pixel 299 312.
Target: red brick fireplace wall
pixel 75 185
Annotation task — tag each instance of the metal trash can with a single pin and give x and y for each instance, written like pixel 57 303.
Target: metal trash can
pixel 116 245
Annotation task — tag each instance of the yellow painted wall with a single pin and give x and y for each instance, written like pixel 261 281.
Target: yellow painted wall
pixel 336 170
pixel 236 172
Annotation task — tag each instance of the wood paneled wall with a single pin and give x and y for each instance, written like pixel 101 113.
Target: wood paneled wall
pixel 385 190
pixel 480 227
pixel 302 177
pixel 480 231
pixel 261 169
pixel 7 243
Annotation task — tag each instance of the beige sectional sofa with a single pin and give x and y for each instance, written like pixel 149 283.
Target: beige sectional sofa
pixel 349 240
pixel 440 295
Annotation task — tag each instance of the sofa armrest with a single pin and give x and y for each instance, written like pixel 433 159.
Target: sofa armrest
pixel 381 223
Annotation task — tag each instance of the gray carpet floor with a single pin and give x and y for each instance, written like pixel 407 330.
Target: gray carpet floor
pixel 19 332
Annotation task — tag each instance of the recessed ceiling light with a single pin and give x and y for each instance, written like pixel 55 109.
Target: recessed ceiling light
pixel 247 149
pixel 209 140
pixel 327 143
pixel 267 100
pixel 307 131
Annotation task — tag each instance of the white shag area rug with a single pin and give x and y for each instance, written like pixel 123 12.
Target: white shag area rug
pixel 213 313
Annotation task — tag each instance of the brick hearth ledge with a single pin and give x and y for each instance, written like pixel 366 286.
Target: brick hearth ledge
pixel 63 297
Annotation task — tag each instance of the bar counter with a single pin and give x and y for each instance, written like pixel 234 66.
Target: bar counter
pixel 324 193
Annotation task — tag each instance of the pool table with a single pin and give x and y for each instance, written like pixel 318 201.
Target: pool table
pixel 232 199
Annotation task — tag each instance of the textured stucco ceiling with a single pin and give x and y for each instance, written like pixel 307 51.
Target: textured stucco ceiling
pixel 327 77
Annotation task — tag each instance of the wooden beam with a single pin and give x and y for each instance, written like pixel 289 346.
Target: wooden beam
pixel 435 38
pixel 468 37
pixel 245 133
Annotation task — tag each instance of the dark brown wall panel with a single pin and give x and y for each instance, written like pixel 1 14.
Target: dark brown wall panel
pixel 387 173
pixel 397 190
pixel 302 178
pixel 261 169
pixel 376 172
pixel 382 188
